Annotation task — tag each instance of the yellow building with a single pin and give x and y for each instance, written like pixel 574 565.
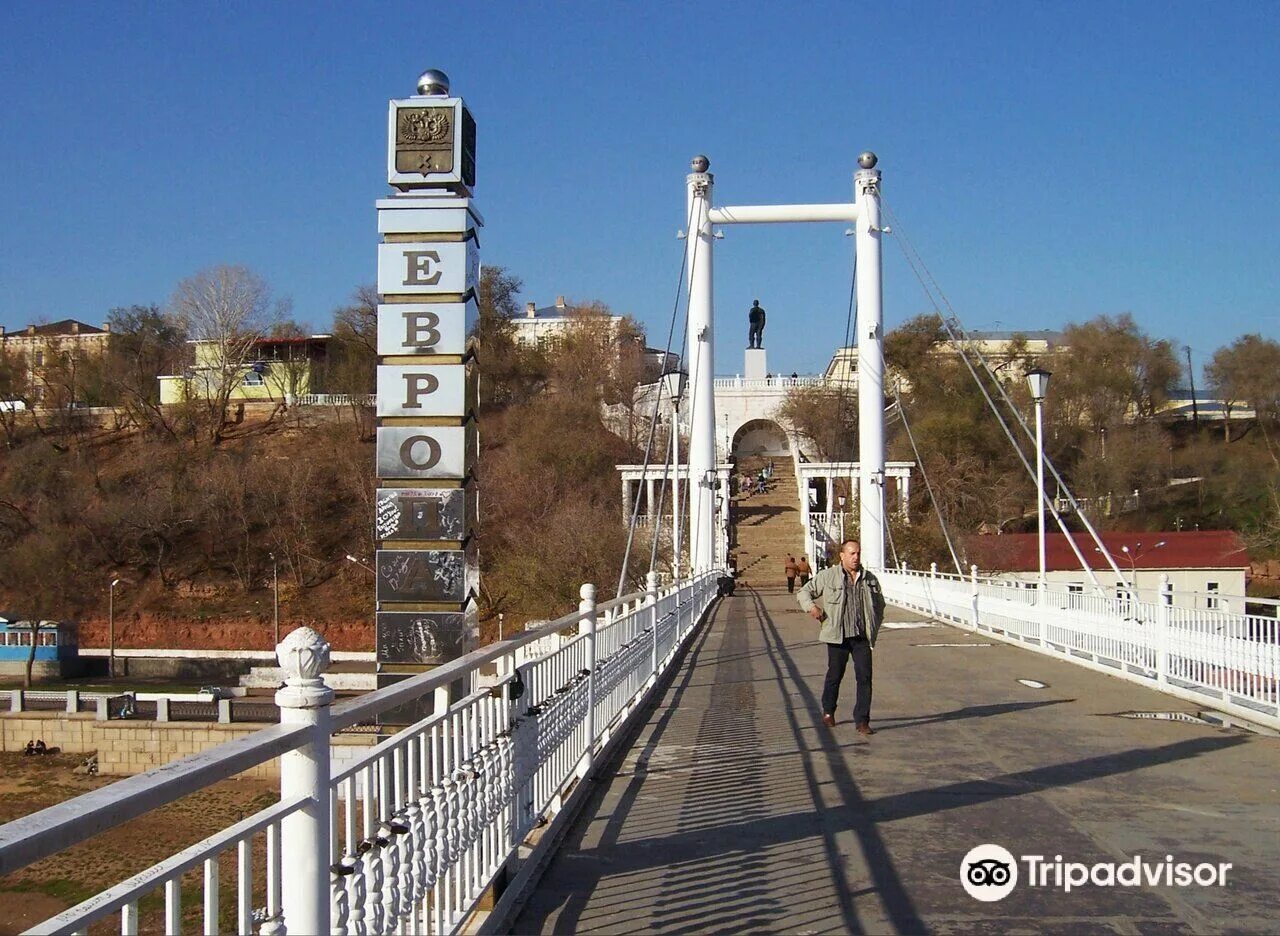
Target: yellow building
pixel 994 346
pixel 276 370
pixel 50 355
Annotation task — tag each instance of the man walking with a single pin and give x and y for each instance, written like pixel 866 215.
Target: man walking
pixel 791 570
pixel 803 569
pixel 755 318
pixel 851 613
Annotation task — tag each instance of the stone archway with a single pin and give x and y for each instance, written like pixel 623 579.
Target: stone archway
pixel 761 437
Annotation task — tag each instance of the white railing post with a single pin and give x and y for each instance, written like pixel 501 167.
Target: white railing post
pixel 973 593
pixel 651 602
pixel 304 771
pixel 587 626
pixel 1163 602
pixel 933 578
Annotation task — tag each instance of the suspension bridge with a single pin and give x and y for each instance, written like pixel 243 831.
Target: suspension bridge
pixel 657 760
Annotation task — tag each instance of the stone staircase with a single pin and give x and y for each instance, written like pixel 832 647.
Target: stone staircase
pixel 340 677
pixel 767 526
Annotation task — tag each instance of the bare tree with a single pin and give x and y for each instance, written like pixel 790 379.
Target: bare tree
pixel 824 415
pixel 1112 372
pixel 144 345
pixel 353 357
pixel 229 310
pixel 31 564
pixel 14 395
pixel 1248 372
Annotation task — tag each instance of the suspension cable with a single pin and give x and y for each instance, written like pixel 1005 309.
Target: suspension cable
pixel 952 325
pixel 669 467
pixel 937 508
pixel 657 400
pixel 954 322
pixel 888 529
pixel 662 496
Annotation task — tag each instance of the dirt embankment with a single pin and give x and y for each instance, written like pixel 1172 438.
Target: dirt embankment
pixel 144 631
pixel 29 784
pixel 1264 578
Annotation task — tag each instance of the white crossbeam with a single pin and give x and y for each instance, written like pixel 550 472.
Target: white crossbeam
pixel 779 214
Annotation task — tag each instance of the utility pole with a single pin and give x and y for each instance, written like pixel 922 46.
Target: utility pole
pixel 1191 374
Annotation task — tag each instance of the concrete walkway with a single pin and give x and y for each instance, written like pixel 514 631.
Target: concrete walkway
pixel 736 810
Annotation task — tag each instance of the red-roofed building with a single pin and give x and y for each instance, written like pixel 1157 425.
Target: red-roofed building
pixel 1201 565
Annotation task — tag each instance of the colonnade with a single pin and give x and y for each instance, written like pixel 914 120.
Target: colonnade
pixel 823 477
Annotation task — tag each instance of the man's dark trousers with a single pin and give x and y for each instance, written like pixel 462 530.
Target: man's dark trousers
pixel 837 658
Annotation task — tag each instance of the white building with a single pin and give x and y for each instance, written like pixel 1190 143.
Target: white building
pixel 541 328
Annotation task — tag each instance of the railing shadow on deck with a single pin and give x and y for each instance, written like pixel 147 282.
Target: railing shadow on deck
pixel 717 848
pixel 412 834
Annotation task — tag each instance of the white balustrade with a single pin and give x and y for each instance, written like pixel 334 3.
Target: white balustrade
pixel 1201 654
pixel 767 383
pixel 410 836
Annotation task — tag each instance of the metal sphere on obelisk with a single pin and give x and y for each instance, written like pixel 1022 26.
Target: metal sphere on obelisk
pixel 700 164
pixel 432 82
pixel 868 160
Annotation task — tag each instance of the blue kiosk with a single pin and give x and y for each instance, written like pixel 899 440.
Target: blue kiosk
pixel 57 648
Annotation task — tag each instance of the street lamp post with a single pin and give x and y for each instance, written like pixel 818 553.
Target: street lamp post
pixel 840 499
pixel 1133 555
pixel 1038 380
pixel 111 627
pixel 275 598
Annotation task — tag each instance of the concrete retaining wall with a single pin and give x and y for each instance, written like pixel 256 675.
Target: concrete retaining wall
pixel 131 747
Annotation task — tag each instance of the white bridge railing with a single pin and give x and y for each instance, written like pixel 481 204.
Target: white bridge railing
pixel 411 836
pixel 1203 655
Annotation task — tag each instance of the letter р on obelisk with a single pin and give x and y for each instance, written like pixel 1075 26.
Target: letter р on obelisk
pixel 428 572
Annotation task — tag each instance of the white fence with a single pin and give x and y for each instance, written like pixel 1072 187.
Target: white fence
pixel 331 399
pixel 409 837
pixel 1227 658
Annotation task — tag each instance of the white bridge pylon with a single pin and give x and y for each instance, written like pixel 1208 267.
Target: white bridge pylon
pixel 864 212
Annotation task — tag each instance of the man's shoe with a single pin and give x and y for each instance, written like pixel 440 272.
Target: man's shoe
pixel 828 719
pixel 864 728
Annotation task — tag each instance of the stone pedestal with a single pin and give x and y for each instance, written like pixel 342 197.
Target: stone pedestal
pixel 755 367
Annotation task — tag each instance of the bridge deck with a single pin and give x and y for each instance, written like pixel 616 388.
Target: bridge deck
pixel 736 809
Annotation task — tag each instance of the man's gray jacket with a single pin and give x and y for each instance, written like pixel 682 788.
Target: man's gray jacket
pixel 831 585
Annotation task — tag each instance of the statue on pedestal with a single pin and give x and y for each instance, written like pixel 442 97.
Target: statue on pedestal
pixel 755 317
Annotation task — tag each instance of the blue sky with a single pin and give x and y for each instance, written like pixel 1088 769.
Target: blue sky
pixel 1050 162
